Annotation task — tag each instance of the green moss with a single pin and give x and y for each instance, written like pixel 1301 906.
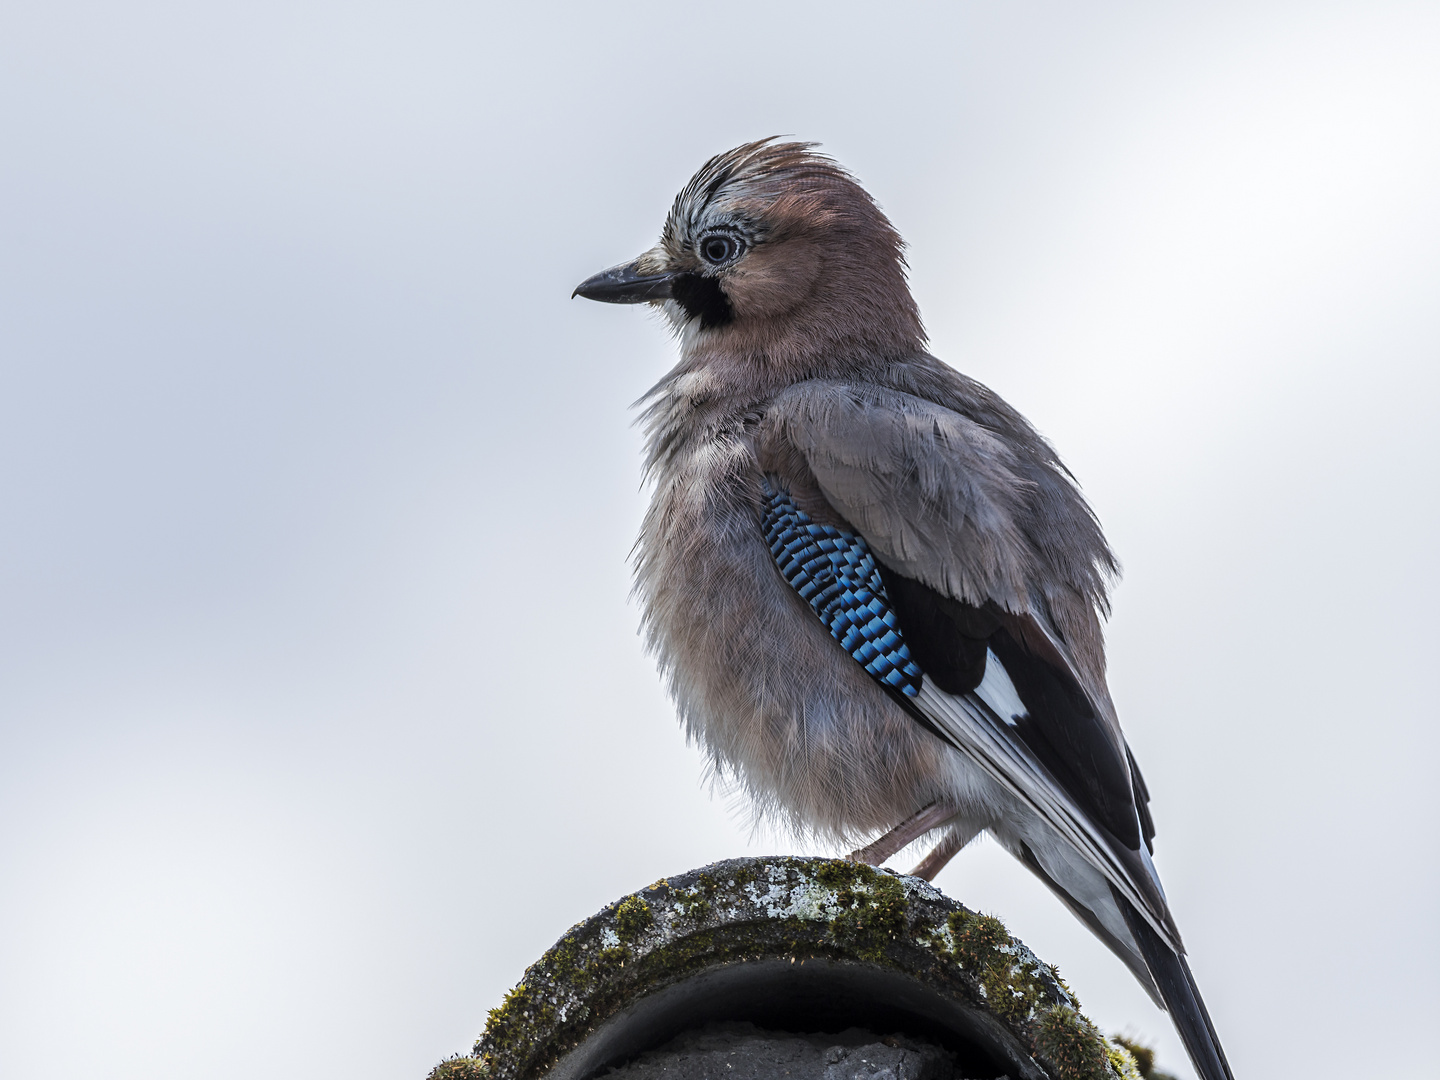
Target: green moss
pixel 1144 1055
pixel 985 949
pixel 836 873
pixel 872 915
pixel 696 902
pixel 981 941
pixel 1072 1046
pixel 1144 1058
pixel 683 955
pixel 1123 1062
pixel 696 905
pixel 460 1068
pixel 512 1005
pixel 520 1012
pixel 1055 974
pixel 632 918
pixel 564 960
pixel 857 913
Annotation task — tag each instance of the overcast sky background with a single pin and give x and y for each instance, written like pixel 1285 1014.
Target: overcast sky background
pixel 322 712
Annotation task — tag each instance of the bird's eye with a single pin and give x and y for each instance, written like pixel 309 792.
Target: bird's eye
pixel 718 250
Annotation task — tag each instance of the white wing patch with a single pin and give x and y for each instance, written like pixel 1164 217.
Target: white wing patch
pixel 997 691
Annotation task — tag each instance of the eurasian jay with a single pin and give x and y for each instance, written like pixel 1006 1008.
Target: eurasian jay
pixel 874 590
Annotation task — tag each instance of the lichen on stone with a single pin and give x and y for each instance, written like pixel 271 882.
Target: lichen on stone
pixel 693 904
pixel 786 908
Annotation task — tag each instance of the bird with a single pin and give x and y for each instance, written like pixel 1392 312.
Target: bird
pixel 873 589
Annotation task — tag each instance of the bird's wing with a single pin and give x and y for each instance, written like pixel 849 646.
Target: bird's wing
pixel 944 504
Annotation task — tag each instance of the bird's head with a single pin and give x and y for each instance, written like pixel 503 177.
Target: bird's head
pixel 775 251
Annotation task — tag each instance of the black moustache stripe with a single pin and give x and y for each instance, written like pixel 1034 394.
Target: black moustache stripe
pixel 703 297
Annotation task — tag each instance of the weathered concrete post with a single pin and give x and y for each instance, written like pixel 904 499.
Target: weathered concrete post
pixel 732 969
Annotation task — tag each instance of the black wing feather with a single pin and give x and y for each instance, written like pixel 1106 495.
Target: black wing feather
pixel 1142 801
pixel 949 638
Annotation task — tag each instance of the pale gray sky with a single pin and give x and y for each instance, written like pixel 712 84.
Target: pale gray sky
pixel 322 712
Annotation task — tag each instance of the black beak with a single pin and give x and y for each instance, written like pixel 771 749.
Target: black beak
pixel 624 285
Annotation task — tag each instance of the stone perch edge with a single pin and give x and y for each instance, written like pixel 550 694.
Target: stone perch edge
pixel 797 943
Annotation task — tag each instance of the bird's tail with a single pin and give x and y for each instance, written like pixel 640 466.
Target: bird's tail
pixel 1182 997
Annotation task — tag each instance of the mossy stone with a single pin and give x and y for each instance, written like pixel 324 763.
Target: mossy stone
pixel 784 912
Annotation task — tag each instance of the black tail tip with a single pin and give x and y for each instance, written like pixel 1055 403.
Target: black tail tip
pixel 1182 997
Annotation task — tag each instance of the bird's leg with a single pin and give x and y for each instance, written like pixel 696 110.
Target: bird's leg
pixel 947 849
pixel 910 829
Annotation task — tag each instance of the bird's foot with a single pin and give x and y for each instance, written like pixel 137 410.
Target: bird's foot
pixel 909 830
pixel 947 849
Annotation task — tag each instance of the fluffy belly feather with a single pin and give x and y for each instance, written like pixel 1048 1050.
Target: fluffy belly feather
pixel 782 710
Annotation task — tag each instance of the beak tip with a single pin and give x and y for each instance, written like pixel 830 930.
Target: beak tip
pixel 624 285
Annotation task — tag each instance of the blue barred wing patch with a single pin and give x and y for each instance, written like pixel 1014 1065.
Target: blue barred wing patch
pixel 835 573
